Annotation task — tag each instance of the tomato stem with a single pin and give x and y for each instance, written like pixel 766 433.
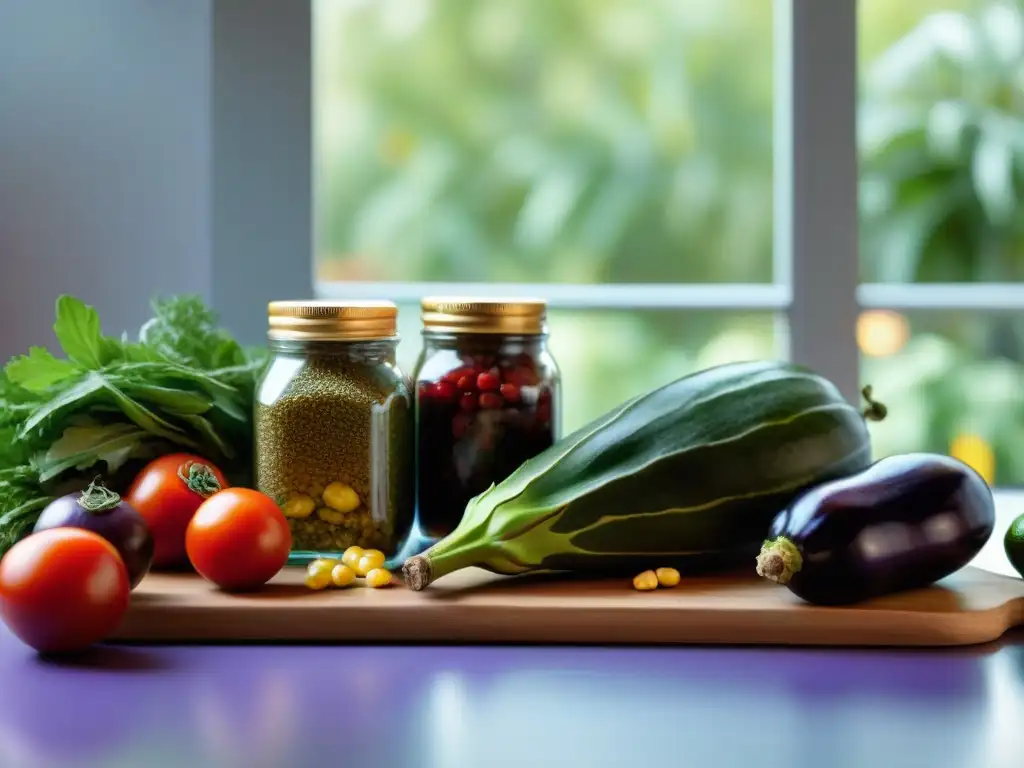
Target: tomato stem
pixel 98 498
pixel 199 478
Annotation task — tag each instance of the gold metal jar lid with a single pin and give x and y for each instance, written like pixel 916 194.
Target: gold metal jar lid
pixel 449 314
pixel 332 320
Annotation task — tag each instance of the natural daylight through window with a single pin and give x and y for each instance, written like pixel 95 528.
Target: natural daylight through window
pixel 623 159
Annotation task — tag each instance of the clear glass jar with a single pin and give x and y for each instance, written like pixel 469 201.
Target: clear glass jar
pixel 487 400
pixel 334 428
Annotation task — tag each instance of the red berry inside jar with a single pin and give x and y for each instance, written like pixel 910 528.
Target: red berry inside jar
pixel 487 381
pixel 488 402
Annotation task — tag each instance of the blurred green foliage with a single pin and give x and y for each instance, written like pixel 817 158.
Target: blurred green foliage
pixel 576 141
pixel 589 141
pixel 942 177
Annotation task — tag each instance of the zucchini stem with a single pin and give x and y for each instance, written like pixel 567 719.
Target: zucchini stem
pixel 779 560
pixel 416 571
pixel 875 411
pixel 420 571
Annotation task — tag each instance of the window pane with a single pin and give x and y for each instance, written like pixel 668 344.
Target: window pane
pixel 953 383
pixel 607 357
pixel 942 140
pixel 544 141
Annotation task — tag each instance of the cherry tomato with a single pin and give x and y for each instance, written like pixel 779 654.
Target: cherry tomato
pixel 63 589
pixel 167 493
pixel 238 539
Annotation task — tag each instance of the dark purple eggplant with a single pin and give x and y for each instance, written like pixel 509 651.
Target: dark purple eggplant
pixel 905 522
pixel 101 511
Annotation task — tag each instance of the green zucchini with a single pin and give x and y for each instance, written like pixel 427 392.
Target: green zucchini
pixel 690 475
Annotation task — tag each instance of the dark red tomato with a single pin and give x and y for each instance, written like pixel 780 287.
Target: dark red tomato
pixel 167 493
pixel 238 539
pixel 63 589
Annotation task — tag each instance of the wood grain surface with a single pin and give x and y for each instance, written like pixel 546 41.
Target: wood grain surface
pixel 973 606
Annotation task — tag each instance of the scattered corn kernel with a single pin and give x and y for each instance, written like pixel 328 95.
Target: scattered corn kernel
pixel 352 557
pixel 300 505
pixel 318 579
pixel 378 577
pixel 342 575
pixel 372 558
pixel 667 577
pixel 320 566
pixel 329 515
pixel 341 497
pixel 645 581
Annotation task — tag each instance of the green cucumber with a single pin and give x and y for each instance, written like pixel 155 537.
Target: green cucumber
pixel 1013 543
pixel 690 474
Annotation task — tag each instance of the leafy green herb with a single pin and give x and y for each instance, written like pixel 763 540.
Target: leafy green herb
pixel 40 370
pixel 78 331
pixel 21 501
pixel 80 447
pixel 186 384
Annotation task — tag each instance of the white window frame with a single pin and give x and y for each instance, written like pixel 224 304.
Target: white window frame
pixel 263 217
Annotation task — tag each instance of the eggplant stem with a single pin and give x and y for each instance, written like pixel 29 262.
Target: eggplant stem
pixel 779 560
pixel 875 410
pixel 199 478
pixel 98 498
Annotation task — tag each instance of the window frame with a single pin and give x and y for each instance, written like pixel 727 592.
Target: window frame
pixel 263 81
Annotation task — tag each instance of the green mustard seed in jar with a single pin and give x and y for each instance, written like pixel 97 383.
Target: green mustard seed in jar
pixel 334 428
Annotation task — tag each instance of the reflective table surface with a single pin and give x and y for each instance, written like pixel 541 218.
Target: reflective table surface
pixel 529 707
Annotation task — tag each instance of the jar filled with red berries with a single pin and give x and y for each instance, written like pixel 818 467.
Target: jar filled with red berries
pixel 487 400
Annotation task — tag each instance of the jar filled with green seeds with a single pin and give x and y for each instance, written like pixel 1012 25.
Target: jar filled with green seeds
pixel 334 427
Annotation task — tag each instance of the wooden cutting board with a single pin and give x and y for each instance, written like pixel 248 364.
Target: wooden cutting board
pixel 973 606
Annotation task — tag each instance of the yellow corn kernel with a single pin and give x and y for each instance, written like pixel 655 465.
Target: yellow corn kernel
pixel 372 558
pixel 318 579
pixel 341 497
pixel 352 557
pixel 667 577
pixel 320 565
pixel 342 575
pixel 299 505
pixel 332 516
pixel 378 577
pixel 645 581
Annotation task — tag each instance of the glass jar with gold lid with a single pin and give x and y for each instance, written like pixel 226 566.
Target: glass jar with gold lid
pixel 487 400
pixel 334 427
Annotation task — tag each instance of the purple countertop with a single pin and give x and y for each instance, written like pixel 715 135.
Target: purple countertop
pixel 527 707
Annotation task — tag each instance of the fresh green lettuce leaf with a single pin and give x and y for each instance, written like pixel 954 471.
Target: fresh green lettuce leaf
pixel 82 447
pixel 39 370
pixel 80 336
pixel 88 389
pixel 177 401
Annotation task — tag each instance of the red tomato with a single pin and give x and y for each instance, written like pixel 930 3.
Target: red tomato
pixel 167 492
pixel 238 539
pixel 63 589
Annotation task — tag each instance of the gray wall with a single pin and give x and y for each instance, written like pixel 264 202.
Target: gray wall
pixel 105 151
pixel 111 113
